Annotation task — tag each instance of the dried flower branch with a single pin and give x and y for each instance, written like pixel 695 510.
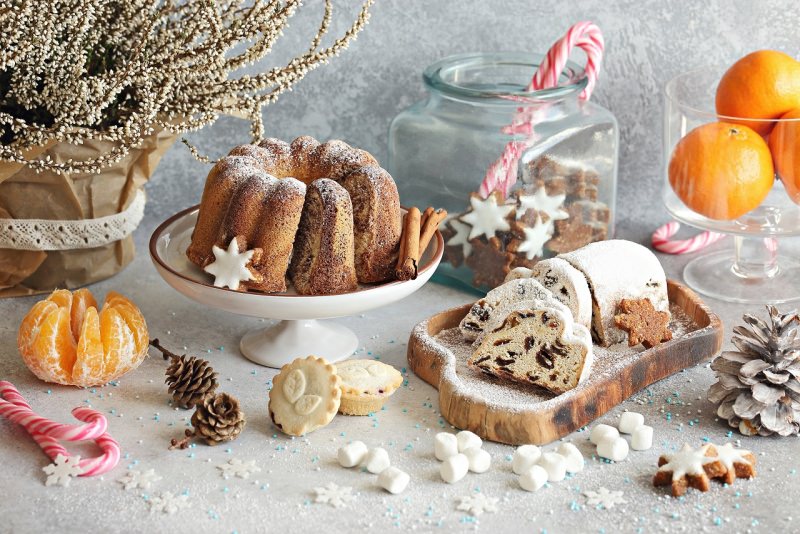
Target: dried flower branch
pixel 117 70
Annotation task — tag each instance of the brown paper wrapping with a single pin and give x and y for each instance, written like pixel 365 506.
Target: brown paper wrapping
pixel 25 194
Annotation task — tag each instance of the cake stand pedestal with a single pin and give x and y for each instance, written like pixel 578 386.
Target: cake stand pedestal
pixel 300 331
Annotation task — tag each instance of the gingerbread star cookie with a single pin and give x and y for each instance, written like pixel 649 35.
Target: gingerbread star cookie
pixel 643 323
pixel 487 215
pixel 366 385
pixel 688 468
pixel 738 463
pixel 305 395
pixel 490 262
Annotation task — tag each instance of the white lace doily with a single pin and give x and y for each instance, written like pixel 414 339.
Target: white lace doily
pixel 43 234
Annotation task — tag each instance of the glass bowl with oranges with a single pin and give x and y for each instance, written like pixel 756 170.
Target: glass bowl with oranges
pixel 732 166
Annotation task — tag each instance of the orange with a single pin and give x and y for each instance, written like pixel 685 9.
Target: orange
pixel 721 170
pixel 761 85
pixel 784 143
pixel 64 339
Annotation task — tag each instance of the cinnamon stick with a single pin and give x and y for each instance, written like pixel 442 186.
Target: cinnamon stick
pixel 429 226
pixel 409 246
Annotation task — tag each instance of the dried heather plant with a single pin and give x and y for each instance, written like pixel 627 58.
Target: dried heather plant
pixel 117 70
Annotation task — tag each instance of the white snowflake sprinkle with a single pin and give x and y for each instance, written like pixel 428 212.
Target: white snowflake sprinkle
pixel 139 479
pixel 237 468
pixel 336 496
pixel 604 498
pixel 62 470
pixel 168 503
pixel 477 504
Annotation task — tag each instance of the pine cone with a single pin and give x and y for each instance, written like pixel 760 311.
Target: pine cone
pixel 218 419
pixel 190 380
pixel 757 386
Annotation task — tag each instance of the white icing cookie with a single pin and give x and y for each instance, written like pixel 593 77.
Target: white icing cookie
pixel 616 270
pixel 568 286
pixel 541 202
pixel 461 236
pixel 366 384
pixel 481 313
pixel 539 344
pixel 487 216
pixel 231 267
pixel 305 395
pixel 534 238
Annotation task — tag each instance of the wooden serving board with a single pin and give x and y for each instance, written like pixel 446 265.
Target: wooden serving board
pixel 513 413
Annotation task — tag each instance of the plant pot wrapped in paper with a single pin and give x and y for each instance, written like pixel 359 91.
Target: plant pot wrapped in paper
pixel 68 230
pixel 91 97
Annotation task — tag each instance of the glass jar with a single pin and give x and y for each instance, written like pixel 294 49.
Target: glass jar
pixel 440 149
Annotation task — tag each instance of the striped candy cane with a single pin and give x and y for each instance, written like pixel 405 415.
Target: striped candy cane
pixel 502 174
pixel 662 243
pixel 48 434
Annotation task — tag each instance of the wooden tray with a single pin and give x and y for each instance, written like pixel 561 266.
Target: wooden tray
pixel 515 413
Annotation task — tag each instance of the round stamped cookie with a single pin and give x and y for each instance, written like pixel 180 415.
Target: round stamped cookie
pixel 366 384
pixel 568 286
pixel 305 396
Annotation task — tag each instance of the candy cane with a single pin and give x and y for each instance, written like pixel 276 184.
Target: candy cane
pixel 502 174
pixel 661 240
pixel 47 433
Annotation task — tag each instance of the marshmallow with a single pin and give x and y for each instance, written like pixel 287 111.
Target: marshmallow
pixel 613 448
pixel 352 454
pixel 393 480
pixel 445 445
pixel 467 439
pixel 630 421
pixel 533 479
pixel 642 438
pixel 601 431
pixel 573 457
pixel 525 457
pixel 377 460
pixel 454 468
pixel 479 459
pixel 555 465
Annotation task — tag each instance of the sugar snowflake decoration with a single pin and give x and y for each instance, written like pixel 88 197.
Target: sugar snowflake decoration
pixel 477 504
pixel 237 468
pixel 336 496
pixel 168 503
pixel 62 470
pixel 604 498
pixel 139 479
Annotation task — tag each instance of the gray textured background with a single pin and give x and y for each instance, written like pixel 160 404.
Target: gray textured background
pixel 356 95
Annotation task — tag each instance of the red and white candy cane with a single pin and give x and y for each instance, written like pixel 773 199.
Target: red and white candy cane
pixel 48 434
pixel 662 243
pixel 502 174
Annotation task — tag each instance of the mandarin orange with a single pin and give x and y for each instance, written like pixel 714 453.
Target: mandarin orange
pixel 64 339
pixel 762 85
pixel 721 170
pixel 784 143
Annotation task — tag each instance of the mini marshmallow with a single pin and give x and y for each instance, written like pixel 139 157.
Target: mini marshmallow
pixel 600 431
pixel 573 457
pixel 393 480
pixel 525 457
pixel 630 421
pixel 377 460
pixel 352 454
pixel 479 459
pixel 555 465
pixel 467 439
pixel 454 468
pixel 533 479
pixel 642 438
pixel 445 445
pixel 613 448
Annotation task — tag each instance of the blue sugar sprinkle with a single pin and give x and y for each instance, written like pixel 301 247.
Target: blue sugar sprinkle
pixel 717 521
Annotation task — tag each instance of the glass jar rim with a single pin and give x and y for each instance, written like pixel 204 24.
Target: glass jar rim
pixel 435 77
pixel 670 89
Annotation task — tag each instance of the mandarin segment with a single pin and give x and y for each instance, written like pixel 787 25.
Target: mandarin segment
pixel 81 300
pixel 29 329
pixel 133 318
pixel 118 343
pixel 89 368
pixel 61 298
pixel 55 349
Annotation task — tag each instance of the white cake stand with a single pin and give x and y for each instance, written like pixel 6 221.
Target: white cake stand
pixel 299 333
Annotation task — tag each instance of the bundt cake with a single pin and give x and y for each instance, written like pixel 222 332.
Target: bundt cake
pixel 325 214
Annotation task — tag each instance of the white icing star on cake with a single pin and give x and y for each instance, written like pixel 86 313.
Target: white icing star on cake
pixel 543 203
pixel 535 238
pixel 231 267
pixel 487 216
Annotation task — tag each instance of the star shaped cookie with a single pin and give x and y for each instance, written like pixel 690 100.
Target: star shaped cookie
pixel 739 463
pixel 688 468
pixel 643 323
pixel 487 216
pixel 233 266
pixel 533 239
pixel 541 202
pixel 490 262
